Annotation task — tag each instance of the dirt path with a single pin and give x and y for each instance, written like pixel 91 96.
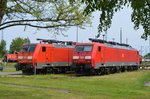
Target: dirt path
pixel 27 86
pixel 35 87
pixel 147 84
pixel 11 73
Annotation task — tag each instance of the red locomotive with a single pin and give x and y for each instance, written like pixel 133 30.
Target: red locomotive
pixel 47 56
pixel 11 57
pixel 101 56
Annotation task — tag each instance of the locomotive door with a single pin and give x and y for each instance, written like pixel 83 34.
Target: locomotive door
pixel 100 54
pixel 103 53
pixel 47 53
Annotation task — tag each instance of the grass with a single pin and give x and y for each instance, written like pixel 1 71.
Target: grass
pixel 115 86
pixel 9 67
pixel 9 64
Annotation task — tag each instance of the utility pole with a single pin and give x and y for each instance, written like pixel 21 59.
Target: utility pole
pixel 141 50
pixel 120 35
pixel 103 36
pixel 113 39
pixel 126 40
pixel 106 35
pixel 2 36
pixel 149 44
pixel 77 34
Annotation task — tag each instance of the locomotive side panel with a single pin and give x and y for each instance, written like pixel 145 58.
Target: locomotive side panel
pixel 110 56
pixel 62 56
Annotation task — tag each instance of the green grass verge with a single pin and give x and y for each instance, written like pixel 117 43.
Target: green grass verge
pixel 8 67
pixel 115 86
pixel 8 64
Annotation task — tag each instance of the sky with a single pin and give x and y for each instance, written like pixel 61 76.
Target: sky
pixel 121 19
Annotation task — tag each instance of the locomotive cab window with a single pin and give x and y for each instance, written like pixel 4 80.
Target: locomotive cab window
pixel 99 48
pixel 24 49
pixel 83 48
pixel 43 49
pixel 31 48
pixel 28 48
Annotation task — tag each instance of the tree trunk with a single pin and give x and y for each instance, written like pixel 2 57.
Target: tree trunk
pixel 2 9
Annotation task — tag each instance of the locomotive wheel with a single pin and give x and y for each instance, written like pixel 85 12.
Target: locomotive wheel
pixel 55 71
pixel 102 70
pixel 107 71
pixel 118 69
pixel 136 68
pixel 122 69
pixel 62 70
pixel 97 72
pixel 49 70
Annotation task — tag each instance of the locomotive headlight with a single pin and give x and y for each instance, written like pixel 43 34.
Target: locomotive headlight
pixel 20 57
pixel 29 57
pixel 87 57
pixel 75 57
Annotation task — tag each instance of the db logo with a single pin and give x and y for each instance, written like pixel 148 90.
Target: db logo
pixel 122 55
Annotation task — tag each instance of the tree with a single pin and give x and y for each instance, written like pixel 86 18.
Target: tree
pixel 26 41
pixel 17 43
pixel 45 14
pixel 2 47
pixel 107 8
pixel 147 56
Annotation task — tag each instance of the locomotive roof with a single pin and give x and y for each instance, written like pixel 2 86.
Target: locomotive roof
pixel 57 43
pixel 51 41
pixel 111 43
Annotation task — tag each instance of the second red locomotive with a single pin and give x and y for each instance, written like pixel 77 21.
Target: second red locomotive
pixel 11 57
pixel 101 56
